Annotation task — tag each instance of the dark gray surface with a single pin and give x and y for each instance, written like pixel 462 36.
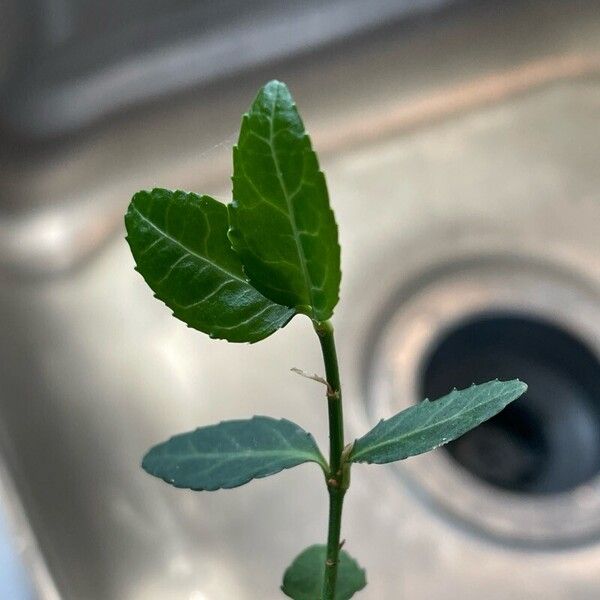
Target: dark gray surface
pixel 71 63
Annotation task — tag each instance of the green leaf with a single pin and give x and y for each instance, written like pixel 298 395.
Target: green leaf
pixel 180 246
pixel 427 425
pixel 303 579
pixel 281 222
pixel 231 453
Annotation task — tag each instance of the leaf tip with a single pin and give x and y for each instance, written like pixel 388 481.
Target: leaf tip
pixel 274 84
pixel 522 385
pixel 146 459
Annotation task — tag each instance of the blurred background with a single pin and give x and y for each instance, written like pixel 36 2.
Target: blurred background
pixel 461 142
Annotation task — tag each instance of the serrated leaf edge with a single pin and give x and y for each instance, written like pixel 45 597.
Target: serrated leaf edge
pixel 211 334
pixel 355 457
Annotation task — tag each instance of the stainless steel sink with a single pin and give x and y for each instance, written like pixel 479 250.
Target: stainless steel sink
pixel 461 151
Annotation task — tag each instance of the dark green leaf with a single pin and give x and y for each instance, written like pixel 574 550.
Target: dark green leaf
pixel 303 579
pixel 231 453
pixel 180 245
pixel 428 425
pixel 281 222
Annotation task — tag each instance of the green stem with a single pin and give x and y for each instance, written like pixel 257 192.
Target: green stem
pixel 337 479
pixel 324 330
pixel 336 501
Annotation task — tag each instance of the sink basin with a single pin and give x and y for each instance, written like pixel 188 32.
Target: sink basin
pixel 461 155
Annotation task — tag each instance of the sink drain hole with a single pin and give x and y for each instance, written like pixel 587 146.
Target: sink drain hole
pixel 548 441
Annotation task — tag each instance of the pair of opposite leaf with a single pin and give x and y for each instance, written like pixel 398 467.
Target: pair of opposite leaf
pixel 241 272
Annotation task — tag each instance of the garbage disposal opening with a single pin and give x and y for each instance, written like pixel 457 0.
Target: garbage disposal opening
pixel 548 441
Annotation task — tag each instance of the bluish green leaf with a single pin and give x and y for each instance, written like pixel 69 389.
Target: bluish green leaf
pixel 427 425
pixel 231 453
pixel 281 222
pixel 180 245
pixel 303 579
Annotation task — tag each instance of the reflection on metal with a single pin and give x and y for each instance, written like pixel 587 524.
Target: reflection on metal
pixel 94 371
pixel 28 570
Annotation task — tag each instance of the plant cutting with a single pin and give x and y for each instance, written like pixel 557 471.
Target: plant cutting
pixel 241 272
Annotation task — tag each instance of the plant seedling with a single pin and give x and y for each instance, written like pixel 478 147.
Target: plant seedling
pixel 241 272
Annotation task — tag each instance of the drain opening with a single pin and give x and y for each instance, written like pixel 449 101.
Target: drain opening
pixel 546 442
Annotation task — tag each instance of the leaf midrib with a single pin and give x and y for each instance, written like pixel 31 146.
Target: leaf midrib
pixel 244 454
pixel 287 198
pixel 186 249
pixel 403 437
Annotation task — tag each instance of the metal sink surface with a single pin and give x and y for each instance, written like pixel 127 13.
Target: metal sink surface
pixel 461 153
